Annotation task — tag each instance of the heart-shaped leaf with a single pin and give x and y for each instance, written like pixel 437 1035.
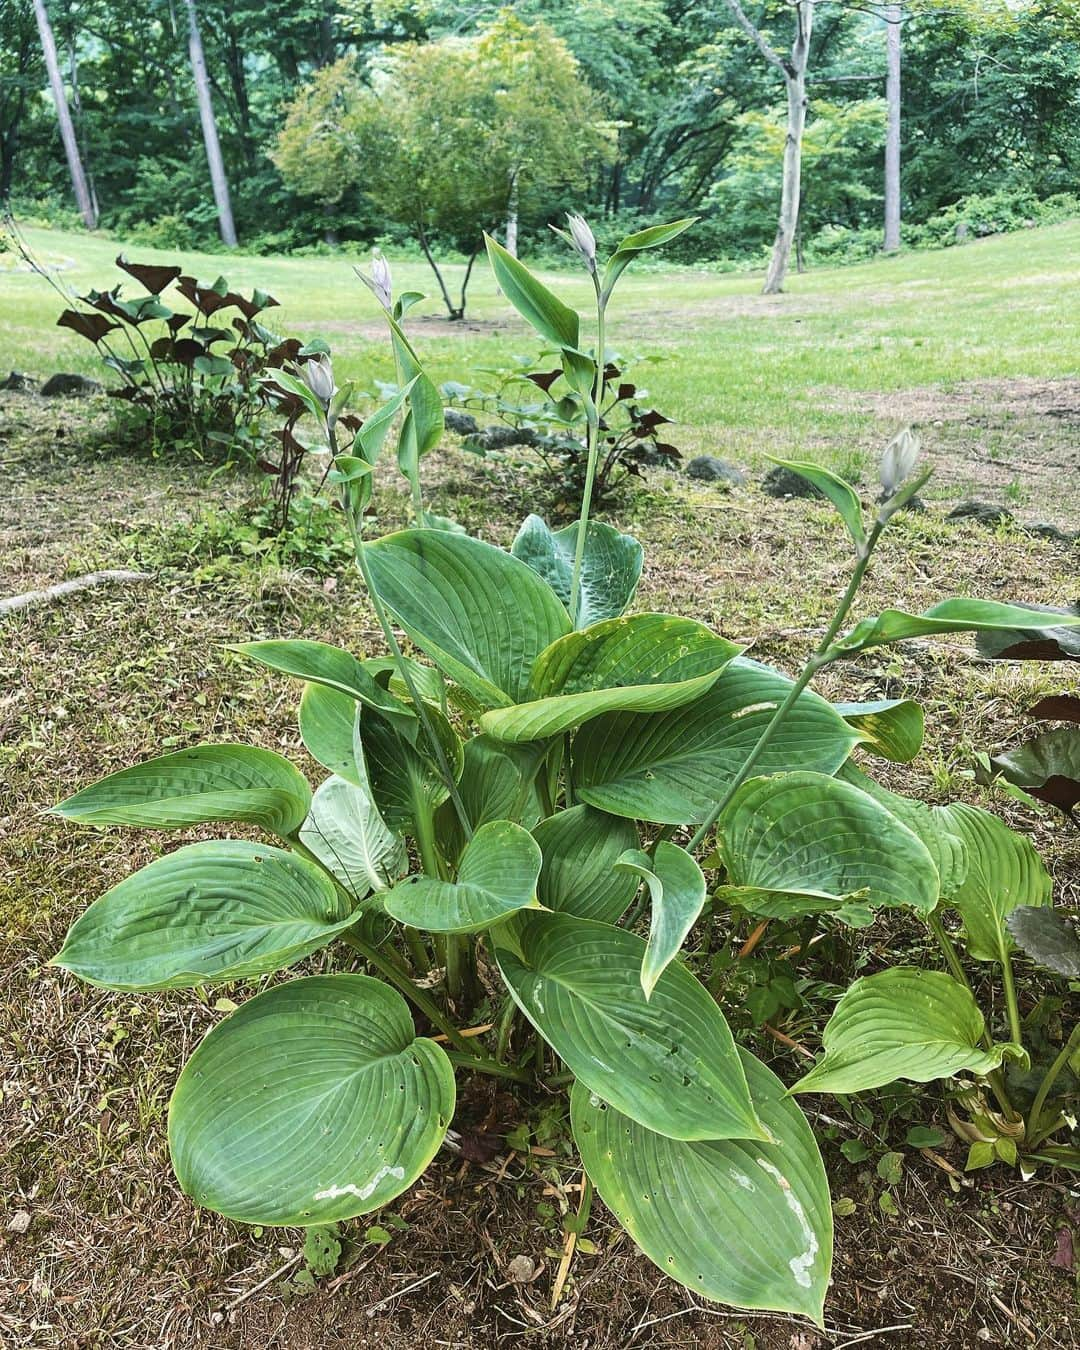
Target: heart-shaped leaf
pixel 330 729
pixel 610 565
pixel 802 843
pixel 496 877
pixel 742 1222
pixel 348 836
pixel 498 782
pixel 312 1103
pixel 1047 767
pixel 672 767
pixel 668 1062
pixel 1003 871
pixel 190 787
pixel 1042 934
pixel 892 728
pixel 677 891
pixel 644 663
pixel 479 613
pixel 902 1023
pixel 581 847
pixel 221 910
pixel 531 298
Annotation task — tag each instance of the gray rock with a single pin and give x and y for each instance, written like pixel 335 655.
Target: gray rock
pixel 709 469
pixel 1044 530
pixel 500 438
pixel 781 482
pixel 461 423
pixel 986 513
pixel 64 385
pixel 19 382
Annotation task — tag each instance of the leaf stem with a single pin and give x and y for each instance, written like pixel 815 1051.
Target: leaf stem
pixel 593 451
pixel 1012 1007
pixel 1049 1079
pixel 490 1066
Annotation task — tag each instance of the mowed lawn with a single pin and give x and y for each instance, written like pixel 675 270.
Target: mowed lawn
pixel 746 372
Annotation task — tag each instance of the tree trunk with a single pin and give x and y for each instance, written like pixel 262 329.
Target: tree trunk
pixel 512 216
pixel 892 129
pixel 209 129
pixel 63 116
pixel 791 187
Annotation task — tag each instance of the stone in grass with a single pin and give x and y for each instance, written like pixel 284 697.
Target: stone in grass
pixel 18 382
pixel 985 513
pixel 1043 529
pixel 781 482
pixel 460 423
pixel 63 385
pixel 709 469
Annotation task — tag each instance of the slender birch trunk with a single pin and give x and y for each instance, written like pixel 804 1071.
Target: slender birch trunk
pixel 512 216
pixel 218 180
pixel 893 15
pixel 83 197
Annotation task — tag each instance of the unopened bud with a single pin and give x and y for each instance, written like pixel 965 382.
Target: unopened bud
pixel 582 239
pixel 381 281
pixel 318 375
pixel 898 461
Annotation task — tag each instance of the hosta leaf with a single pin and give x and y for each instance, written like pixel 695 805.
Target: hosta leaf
pixel 950 616
pixel 893 728
pixel 330 729
pixel 1043 934
pixel 581 847
pixel 221 910
pixel 497 783
pixel 635 243
pixel 842 495
pixel 314 1102
pixel 903 1023
pixel 1003 871
pixel 496 877
pixel 405 781
pixel 190 787
pixel 741 1222
pixel 321 663
pixel 805 842
pixel 672 767
pixel 610 565
pixel 479 613
pixel 677 892
pixel 668 1062
pixel 1043 639
pixel 1047 767
pixel 346 833
pixel 948 850
pixel 645 663
pixel 531 298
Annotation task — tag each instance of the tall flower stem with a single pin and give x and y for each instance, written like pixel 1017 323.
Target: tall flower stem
pixel 592 451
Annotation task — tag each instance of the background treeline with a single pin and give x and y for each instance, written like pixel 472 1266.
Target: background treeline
pixel 692 117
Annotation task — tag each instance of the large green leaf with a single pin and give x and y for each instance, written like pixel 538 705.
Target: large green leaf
pixel 669 1062
pixel 496 877
pixel 497 783
pixel 946 848
pixel 801 843
pixel 892 728
pixel 581 847
pixel 1043 934
pixel 221 910
pixel 348 836
pixel 1045 641
pixel 902 1023
pixel 1003 871
pixel 405 781
pixel 644 663
pixel 842 495
pixel 479 613
pixel 950 616
pixel 677 892
pixel 743 1222
pixel 330 729
pixel 610 565
pixel 673 767
pixel 531 298
pixel 189 787
pixel 321 663
pixel 1047 767
pixel 314 1102
pixel 636 243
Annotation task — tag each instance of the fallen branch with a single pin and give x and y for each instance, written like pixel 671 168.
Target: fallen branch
pixel 62 588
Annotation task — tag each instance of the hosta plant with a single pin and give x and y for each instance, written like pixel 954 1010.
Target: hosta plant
pixel 500 807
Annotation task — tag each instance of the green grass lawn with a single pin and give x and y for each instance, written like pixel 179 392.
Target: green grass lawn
pixel 748 371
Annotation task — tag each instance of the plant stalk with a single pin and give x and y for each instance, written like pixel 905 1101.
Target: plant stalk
pixel 593 451
pixel 1049 1079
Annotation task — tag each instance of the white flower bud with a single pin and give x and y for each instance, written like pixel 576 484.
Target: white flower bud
pixel 381 281
pixel 582 239
pixel 318 375
pixel 898 461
